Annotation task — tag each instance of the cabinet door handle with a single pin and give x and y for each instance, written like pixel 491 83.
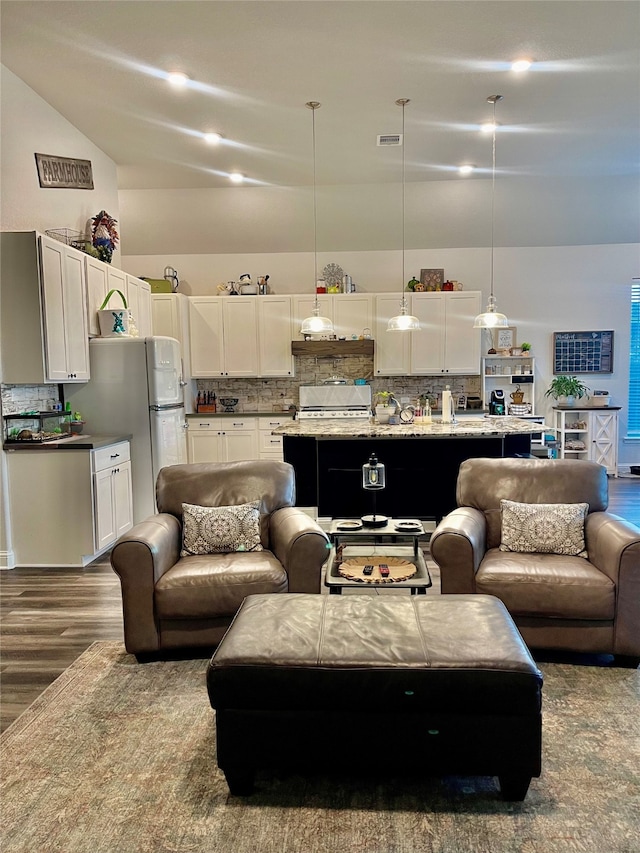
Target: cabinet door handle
pixel 115 456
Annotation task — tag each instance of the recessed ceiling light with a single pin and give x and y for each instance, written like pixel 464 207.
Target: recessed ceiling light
pixel 177 78
pixel 466 169
pixel 212 138
pixel 521 65
pixel 236 177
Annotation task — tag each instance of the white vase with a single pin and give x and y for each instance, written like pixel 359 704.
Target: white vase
pixel 570 400
pixel 383 413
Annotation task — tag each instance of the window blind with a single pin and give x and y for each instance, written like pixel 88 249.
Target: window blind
pixel 634 366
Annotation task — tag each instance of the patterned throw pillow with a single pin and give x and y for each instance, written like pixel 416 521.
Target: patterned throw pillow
pixel 544 528
pixel 220 529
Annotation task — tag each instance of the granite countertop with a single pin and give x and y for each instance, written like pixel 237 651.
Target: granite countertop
pixel 283 414
pixel 70 442
pixel 493 426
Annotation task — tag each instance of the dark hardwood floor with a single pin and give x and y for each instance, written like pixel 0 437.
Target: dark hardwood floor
pixel 50 616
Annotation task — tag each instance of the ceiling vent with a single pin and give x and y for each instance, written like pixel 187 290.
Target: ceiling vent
pixel 390 139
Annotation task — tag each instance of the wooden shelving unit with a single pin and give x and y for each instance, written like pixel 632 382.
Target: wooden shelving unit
pixel 332 348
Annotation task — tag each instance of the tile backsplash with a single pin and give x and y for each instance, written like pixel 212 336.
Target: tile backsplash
pixel 28 398
pixel 272 395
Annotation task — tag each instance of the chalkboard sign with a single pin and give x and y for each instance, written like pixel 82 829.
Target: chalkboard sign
pixel 583 352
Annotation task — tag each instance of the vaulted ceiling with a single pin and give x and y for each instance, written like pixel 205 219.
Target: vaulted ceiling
pixel 253 65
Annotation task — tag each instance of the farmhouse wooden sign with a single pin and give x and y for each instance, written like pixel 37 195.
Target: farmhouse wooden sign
pixel 55 172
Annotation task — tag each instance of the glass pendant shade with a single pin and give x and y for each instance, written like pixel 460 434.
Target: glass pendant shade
pixel 490 319
pixel 316 325
pixel 403 322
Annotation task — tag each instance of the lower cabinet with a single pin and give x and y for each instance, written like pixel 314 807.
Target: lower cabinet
pixel 113 499
pixel 218 439
pixel 270 446
pixel 68 506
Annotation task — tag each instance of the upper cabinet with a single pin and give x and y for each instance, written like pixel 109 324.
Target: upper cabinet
pixel 240 336
pixel 101 279
pixel 274 336
pixel 224 336
pixel 392 353
pixel 350 313
pixel 138 296
pixel 447 341
pixel 44 311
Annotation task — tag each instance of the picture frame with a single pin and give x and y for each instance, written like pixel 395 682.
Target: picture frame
pixel 432 279
pixel 504 337
pixel 461 401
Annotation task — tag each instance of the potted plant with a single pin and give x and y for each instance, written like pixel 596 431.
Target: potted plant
pixel 568 388
pixel 525 347
pixel 73 424
pixel 385 406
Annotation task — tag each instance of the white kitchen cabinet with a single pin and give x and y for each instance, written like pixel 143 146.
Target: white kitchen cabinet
pixel 222 439
pixel 588 433
pixel 44 320
pixel 303 307
pixel 224 336
pixel 350 313
pixel 112 492
pixel 270 446
pixel 138 294
pixel 392 349
pixel 274 336
pixel 80 510
pixel 96 273
pixel 447 342
pixel 102 278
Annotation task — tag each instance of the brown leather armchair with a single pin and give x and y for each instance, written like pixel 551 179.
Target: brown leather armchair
pixel 557 602
pixel 171 601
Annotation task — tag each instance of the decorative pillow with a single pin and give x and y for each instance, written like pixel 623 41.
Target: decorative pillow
pixel 220 529
pixel 544 528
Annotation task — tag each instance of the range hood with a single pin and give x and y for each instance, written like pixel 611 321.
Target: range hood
pixel 332 348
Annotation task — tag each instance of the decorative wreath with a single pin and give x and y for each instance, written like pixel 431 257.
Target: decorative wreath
pixel 104 236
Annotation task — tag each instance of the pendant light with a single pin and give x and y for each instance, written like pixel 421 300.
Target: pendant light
pixel 403 322
pixel 315 324
pixel 492 319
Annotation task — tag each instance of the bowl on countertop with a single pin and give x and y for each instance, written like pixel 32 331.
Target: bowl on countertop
pixel 229 403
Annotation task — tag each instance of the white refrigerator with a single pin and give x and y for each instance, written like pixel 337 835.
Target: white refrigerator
pixel 136 389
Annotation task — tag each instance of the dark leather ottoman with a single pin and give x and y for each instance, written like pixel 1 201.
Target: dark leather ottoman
pixel 439 685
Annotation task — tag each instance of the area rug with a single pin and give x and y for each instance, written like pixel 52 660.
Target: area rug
pixel 119 757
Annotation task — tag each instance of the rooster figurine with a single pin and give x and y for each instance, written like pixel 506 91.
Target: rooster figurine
pixel 104 235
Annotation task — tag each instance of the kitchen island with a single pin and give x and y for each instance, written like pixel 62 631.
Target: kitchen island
pixel 421 461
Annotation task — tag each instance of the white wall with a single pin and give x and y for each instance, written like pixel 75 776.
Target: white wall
pixel 440 214
pixel 29 126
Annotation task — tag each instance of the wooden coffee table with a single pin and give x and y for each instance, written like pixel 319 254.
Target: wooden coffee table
pixel 396 545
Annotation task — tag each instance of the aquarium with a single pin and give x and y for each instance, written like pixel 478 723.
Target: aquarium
pixel 33 427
